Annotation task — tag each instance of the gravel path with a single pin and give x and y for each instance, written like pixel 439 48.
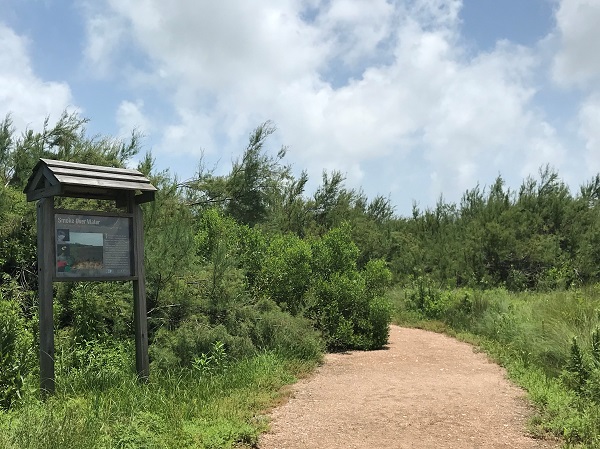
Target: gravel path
pixel 425 391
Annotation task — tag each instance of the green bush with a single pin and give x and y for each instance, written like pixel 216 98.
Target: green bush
pixel 426 298
pixel 291 336
pixel 16 352
pixel 93 365
pixel 334 253
pixel 194 337
pixel 380 312
pixel 286 272
pixel 348 317
pixel 252 252
pixel 346 305
pixel 94 310
pixel 378 278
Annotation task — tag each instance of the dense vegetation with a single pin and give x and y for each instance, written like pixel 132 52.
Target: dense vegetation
pixel 247 280
pixel 250 279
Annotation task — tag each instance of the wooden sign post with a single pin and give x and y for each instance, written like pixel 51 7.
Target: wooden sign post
pixel 78 245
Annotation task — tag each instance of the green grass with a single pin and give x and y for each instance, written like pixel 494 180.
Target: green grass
pixel 174 410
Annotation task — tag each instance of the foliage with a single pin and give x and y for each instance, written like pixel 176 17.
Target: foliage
pixel 247 268
pixel 539 237
pixel 285 275
pixel 246 194
pixel 335 253
pixel 193 338
pixel 290 336
pixel 15 352
pixel 345 305
pixel 175 410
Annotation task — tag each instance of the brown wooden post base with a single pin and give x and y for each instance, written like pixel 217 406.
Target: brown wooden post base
pixel 45 210
pixel 142 361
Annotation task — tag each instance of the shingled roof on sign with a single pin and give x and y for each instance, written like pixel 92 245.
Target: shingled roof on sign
pixel 59 178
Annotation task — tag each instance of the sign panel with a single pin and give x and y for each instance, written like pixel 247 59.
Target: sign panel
pixel 95 246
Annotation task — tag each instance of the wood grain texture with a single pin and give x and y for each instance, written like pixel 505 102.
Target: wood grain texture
pixel 55 163
pixel 59 178
pixel 45 228
pixel 142 361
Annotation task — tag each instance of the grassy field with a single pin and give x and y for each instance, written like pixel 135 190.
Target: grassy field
pixel 200 408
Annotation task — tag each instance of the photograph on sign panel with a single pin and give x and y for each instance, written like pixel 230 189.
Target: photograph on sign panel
pixel 79 253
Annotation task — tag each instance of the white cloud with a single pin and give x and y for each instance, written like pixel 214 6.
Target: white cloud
pixel 578 59
pixel 105 33
pixel 130 117
pixel 192 135
pixel 350 84
pixel 215 45
pixel 483 119
pixel 356 28
pixel 27 97
pixel 589 130
pixel 436 13
pixel 577 64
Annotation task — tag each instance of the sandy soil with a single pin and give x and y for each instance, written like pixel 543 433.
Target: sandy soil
pixel 425 390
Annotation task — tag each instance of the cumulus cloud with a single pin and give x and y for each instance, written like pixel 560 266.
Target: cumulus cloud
pixel 356 29
pixel 589 117
pixel 577 61
pixel 190 135
pixel 24 95
pixel 104 34
pixel 130 116
pixel 350 84
pixel 576 65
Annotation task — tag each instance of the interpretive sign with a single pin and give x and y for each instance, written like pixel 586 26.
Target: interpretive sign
pixel 92 246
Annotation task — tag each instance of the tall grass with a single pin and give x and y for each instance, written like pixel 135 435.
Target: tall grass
pixel 176 409
pixel 549 343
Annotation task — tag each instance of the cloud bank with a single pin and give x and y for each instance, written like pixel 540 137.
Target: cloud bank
pixel 387 91
pixel 24 95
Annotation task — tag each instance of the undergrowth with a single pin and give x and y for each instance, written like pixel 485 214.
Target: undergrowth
pixel 215 404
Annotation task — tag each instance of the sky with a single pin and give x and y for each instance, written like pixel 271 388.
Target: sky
pixel 409 99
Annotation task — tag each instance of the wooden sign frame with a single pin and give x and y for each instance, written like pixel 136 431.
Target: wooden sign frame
pixel 57 178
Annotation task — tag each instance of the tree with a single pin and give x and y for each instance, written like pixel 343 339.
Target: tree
pixel 248 191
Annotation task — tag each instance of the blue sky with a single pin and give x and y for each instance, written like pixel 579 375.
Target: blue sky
pixel 408 98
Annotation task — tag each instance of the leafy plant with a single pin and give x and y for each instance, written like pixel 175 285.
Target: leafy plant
pixel 213 362
pixel 285 275
pixel 15 352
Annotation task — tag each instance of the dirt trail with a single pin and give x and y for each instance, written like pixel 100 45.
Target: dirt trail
pixel 425 391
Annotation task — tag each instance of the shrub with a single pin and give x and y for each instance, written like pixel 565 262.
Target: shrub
pixel 93 365
pixel 290 336
pixel 348 317
pixel 334 253
pixel 286 272
pixel 380 312
pixel 16 352
pixel 194 337
pixel 427 299
pixel 377 277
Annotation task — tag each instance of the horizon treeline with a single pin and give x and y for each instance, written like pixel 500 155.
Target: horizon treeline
pixel 539 236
